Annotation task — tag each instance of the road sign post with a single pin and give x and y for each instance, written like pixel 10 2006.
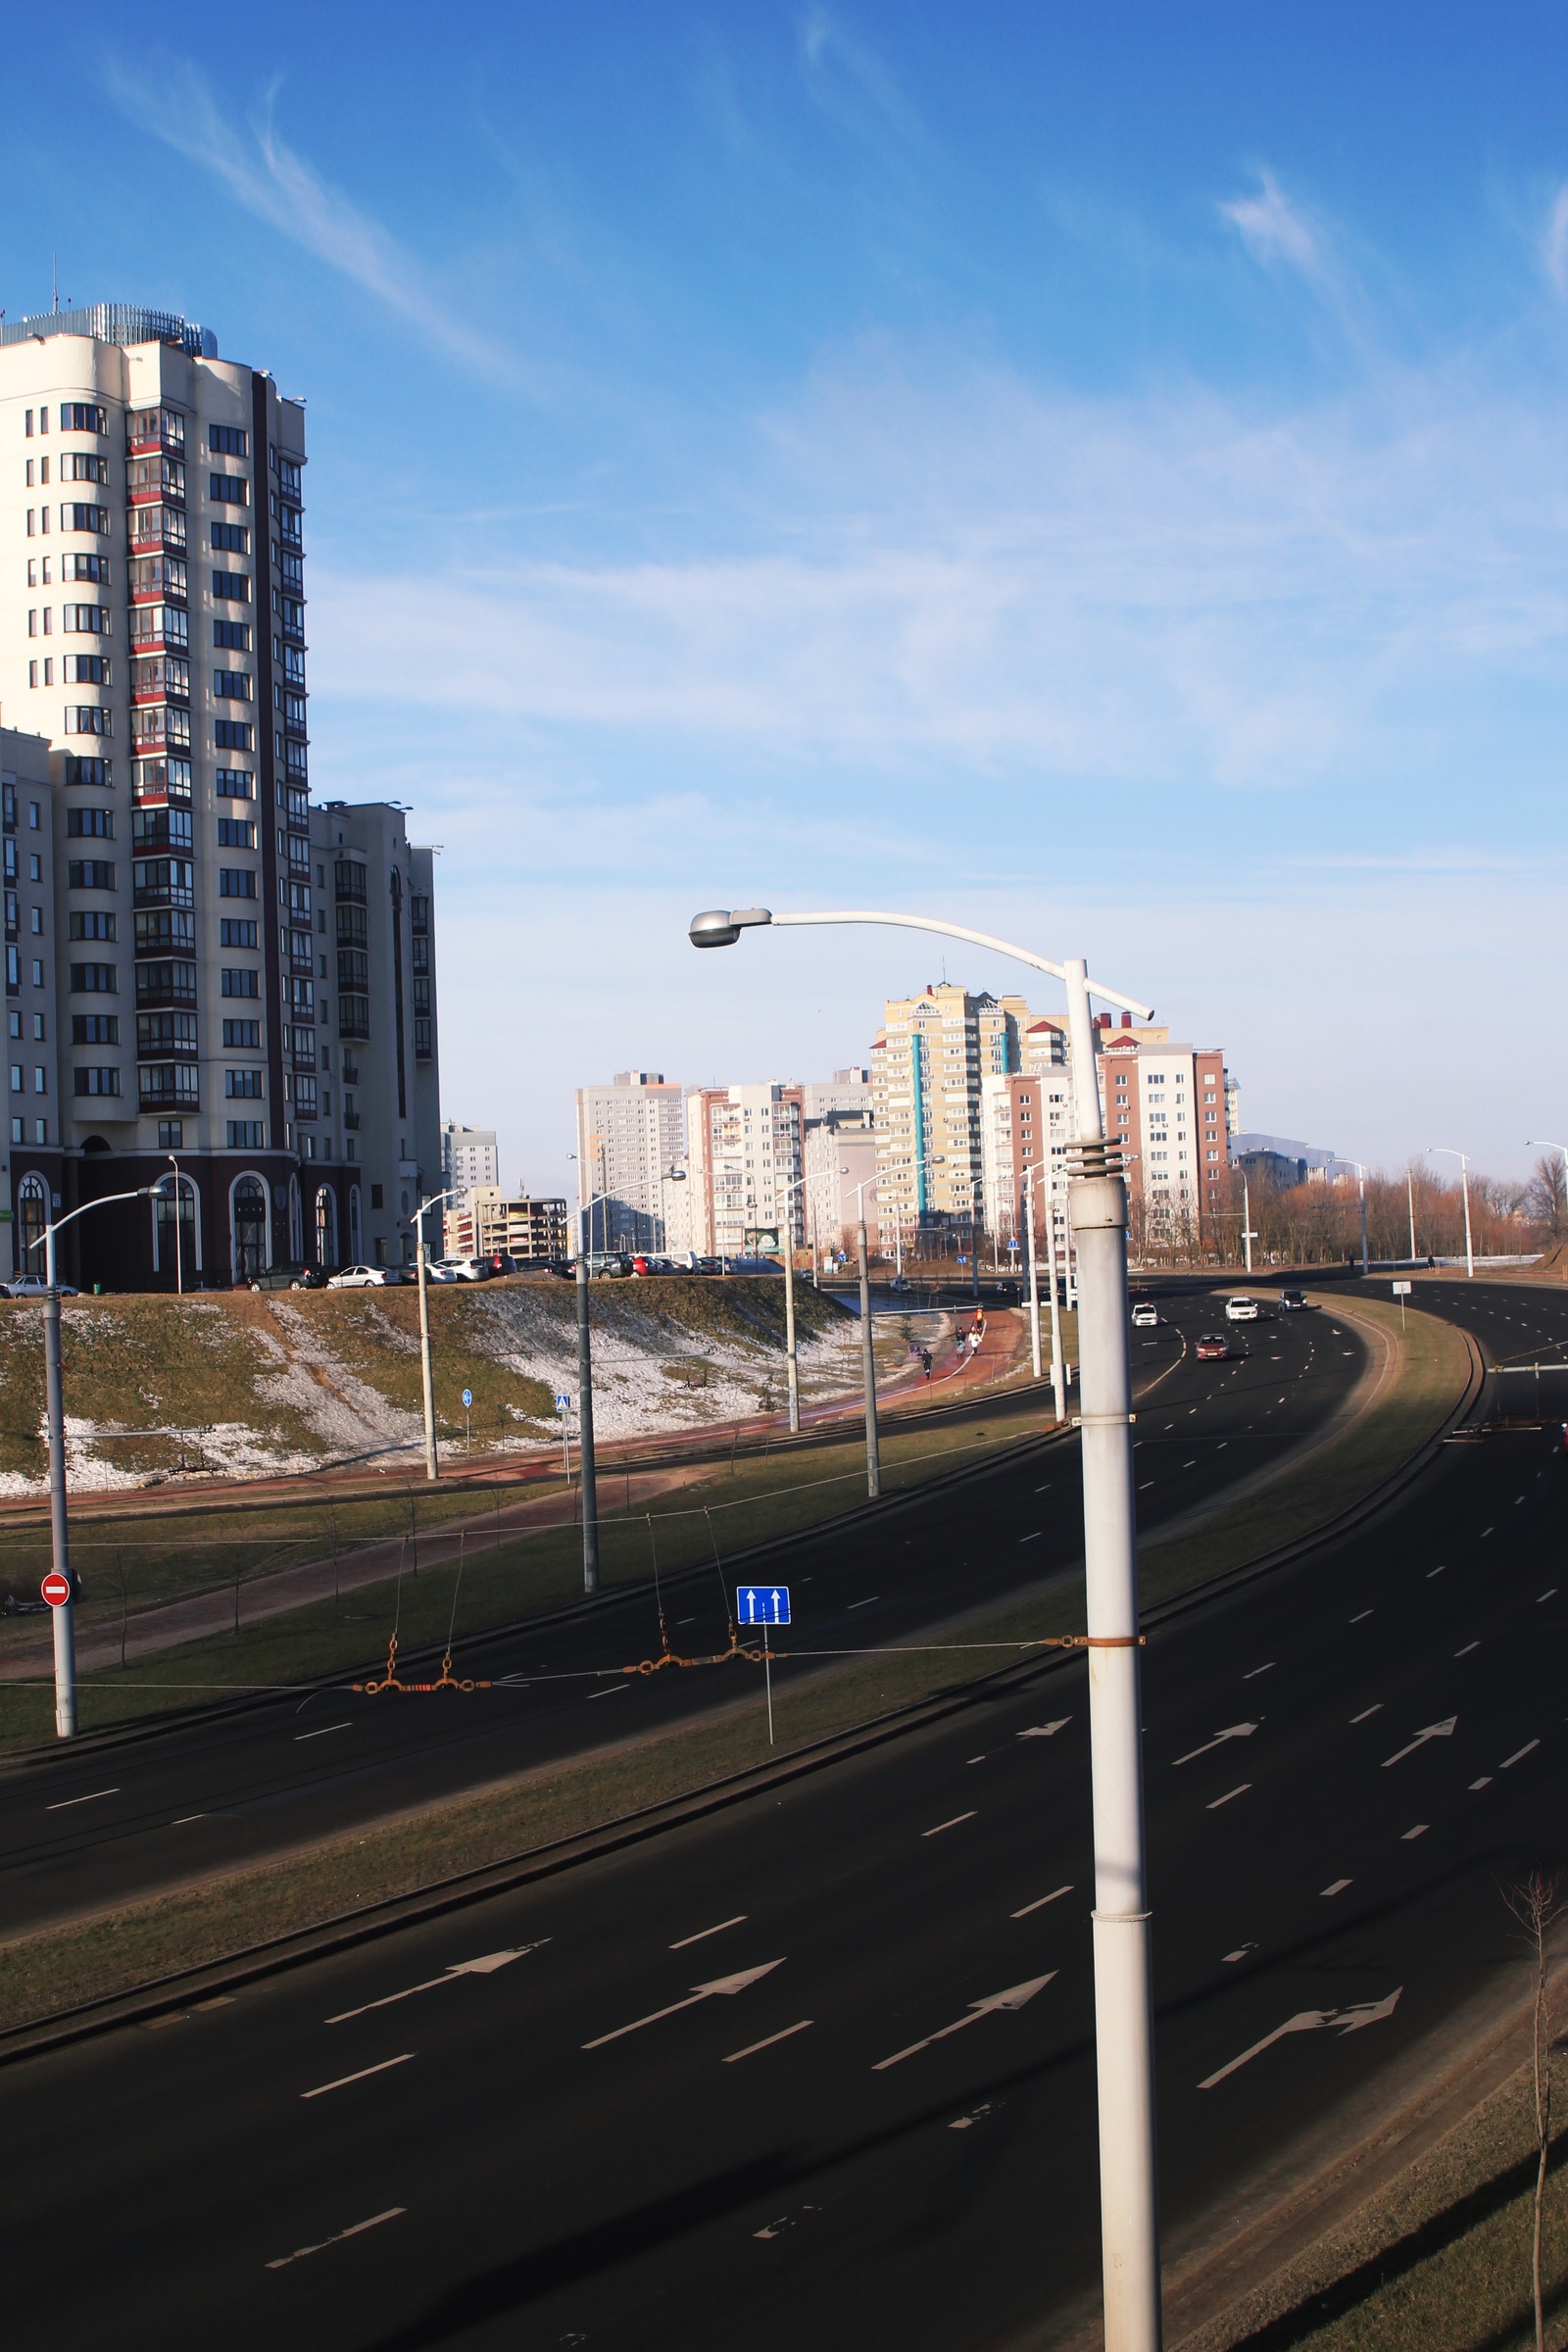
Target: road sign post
pixel 55 1589
pixel 1401 1292
pixel 467 1425
pixel 563 1408
pixel 764 1604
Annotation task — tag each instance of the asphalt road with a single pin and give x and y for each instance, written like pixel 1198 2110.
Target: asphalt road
pixel 751 2080
pixel 83 1829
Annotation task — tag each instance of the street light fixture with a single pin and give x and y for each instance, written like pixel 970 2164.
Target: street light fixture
pixel 1452 1153
pixel 65 1631
pixel 432 1465
pixel 587 1467
pixel 1059 1385
pixel 1123 2008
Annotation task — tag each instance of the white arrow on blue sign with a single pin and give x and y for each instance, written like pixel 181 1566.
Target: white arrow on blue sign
pixel 562 1402
pixel 467 1399
pixel 763 1604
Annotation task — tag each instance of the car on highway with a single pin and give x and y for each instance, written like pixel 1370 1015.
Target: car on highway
pixel 1145 1317
pixel 1292 1301
pixel 1241 1310
pixel 363 1278
pixel 1212 1347
pixel 33 1286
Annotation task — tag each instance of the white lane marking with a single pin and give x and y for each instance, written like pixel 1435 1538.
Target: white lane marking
pixel 979 1759
pixel 1041 1900
pixel 614 1692
pixel 485 1966
pixel 185 1817
pixel 319 1734
pixel 1518 1753
pixel 1045 1731
pixel 948 1825
pixel 1367 1713
pixel 1144 1488
pixel 1045 1490
pixel 64 1804
pixel 1191 1465
pixel 1016 1996
pixel 281 2262
pixel 1240 1953
pixel 1484 1782
pixel 680 1621
pixel 866 1603
pixel 725 1985
pixel 1485 1533
pixel 703 1933
pixel 343 2080
pixel 1335 1887
pixel 1235 1730
pixel 1312 2020
pixel 1468 1648
pixel 1034 1538
pixel 1431 1572
pixel 965 2123
pixel 1419 1831
pixel 1549 1594
pixel 1364 1614
pixel 1215 1805
pixel 1434 1731
pixel 1257 1670
pixel 767 2042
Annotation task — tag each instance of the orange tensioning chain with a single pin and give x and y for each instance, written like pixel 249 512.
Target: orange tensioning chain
pixel 389 1680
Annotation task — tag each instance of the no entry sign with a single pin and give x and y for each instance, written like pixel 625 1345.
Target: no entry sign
pixel 56 1588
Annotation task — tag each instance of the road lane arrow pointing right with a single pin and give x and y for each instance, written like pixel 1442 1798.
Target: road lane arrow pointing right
pixel 1434 1731
pixel 1313 2021
pixel 1237 1731
pixel 1016 1996
pixel 738 1983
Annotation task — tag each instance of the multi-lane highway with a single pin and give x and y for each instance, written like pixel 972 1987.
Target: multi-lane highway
pixel 120 1816
pixel 819 2069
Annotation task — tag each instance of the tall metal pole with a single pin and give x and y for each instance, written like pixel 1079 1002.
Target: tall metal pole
pixel 1360 1179
pixel 873 1457
pixel 432 1466
pixel 1123 2000
pixel 1247 1223
pixel 1409 1194
pixel 585 1429
pixel 1469 1249
pixel 59 1535
pixel 793 1368
pixel 1058 1384
pixel 1034 1276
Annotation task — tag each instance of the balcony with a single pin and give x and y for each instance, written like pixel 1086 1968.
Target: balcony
pixel 170 1086
pixel 156 677
pixel 149 529
pixel 354 1016
pixel 149 431
pixel 299 855
pixel 158 576
pixel 290 528
pixel 169 984
pixel 149 479
pixel 164 882
pixel 350 1120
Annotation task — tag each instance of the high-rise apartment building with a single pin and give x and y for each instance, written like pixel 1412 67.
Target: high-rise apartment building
pixel 926 1072
pixel 468 1156
pixel 631 1134
pixel 744 1162
pixel 1165 1105
pixel 535 1232
pixel 839 1157
pixel 194 950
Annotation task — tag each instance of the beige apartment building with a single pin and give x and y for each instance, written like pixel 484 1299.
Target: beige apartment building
pixel 743 1159
pixel 927 1066
pixel 631 1140
pixel 535 1232
pixel 221 995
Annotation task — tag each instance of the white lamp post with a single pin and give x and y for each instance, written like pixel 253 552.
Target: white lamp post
pixel 1123 2009
pixel 432 1465
pixel 1452 1153
pixel 1249 1237
pixel 179 1179
pixel 1360 1179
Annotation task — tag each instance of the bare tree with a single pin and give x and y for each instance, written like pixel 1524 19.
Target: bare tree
pixel 1535 1905
pixel 1544 1202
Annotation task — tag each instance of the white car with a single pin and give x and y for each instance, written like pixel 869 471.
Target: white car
pixel 441 1272
pixel 1145 1318
pixel 1241 1310
pixel 362 1278
pixel 33 1286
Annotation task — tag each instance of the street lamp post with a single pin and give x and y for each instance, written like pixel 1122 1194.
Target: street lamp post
pixel 179 1254
pixel 432 1464
pixel 1360 1179
pixel 873 1448
pixel 1058 1384
pixel 587 1469
pixel 1249 1237
pixel 64 1630
pixel 1450 1153
pixel 1123 2008
pixel 1410 1197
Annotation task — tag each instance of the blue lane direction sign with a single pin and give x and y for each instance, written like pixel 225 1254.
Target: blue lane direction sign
pixel 467 1399
pixel 763 1604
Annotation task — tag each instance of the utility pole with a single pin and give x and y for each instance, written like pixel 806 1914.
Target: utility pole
pixel 1034 1277
pixel 59 1532
pixel 585 1430
pixel 432 1467
pixel 1058 1384
pixel 873 1457
pixel 1249 1237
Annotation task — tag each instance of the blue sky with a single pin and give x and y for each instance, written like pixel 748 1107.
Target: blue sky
pixel 1098 474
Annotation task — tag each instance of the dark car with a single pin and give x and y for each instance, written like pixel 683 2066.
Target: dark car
pixel 1292 1300
pixel 286 1278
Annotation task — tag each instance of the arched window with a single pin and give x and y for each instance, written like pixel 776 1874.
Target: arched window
pixel 32 1215
pixel 356 1232
pixel 326 1228
pixel 248 1221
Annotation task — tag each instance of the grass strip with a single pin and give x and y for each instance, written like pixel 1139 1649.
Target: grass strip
pixel 62 1966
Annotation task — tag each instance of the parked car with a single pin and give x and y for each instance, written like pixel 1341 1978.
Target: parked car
pixel 286 1278
pixel 33 1286
pixel 1145 1318
pixel 1291 1301
pixel 469 1269
pixel 363 1278
pixel 1241 1310
pixel 1212 1345
pixel 501 1262
pixel 608 1261
pixel 439 1270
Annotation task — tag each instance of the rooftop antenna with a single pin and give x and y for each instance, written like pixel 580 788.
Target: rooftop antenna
pixel 54 280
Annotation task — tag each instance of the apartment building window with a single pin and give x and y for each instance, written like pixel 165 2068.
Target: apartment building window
pixel 95 620
pixel 79 417
pixel 232 735
pixel 231 587
pixel 96 1079
pixel 82 466
pixel 231 539
pixel 234 784
pixel 233 634
pixel 95 1028
pixel 75 517
pixel 86 719
pixel 94 979
pixel 245 1134
pixel 239 982
pixel 90 873
pixel 95 823
pixel 232 685
pixel 237 931
pixel 161 828
pixel 227 441
pixel 89 771
pixel 228 490
pixel 170 1135
pixel 40 1079
pixel 166 983
pixel 79 565
pixel 241 1034
pixel 236 882
pixel 235 833
pixel 159 1033
pixel 92 923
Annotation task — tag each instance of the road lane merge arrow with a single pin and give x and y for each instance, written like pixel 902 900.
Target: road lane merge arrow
pixel 1434 1731
pixel 1236 1731
pixel 1313 2021
pixel 738 1983
pixel 1016 1996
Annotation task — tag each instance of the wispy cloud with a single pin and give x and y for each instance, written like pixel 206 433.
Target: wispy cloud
pixel 1277 230
pixel 264 174
pixel 1554 241
pixel 844 74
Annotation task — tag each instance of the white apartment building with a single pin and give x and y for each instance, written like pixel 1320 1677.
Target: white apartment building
pixel 744 1157
pixel 631 1137
pixel 926 1071
pixel 1026 1124
pixel 153 633
pixel 1165 1105
pixel 468 1156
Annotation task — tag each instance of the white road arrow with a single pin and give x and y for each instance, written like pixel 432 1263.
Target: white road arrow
pixel 1045 1731
pixel 738 1983
pixel 485 1966
pixel 1313 2021
pixel 1237 1731
pixel 1434 1731
pixel 1015 1997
